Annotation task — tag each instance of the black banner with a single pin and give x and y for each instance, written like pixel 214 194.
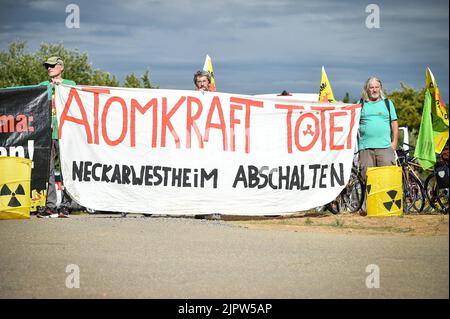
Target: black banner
pixel 25 131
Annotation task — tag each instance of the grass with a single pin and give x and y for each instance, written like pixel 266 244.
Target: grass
pixel 338 223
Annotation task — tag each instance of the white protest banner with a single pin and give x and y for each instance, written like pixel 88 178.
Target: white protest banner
pixel 184 152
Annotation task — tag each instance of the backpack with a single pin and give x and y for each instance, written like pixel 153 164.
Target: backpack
pixel 442 175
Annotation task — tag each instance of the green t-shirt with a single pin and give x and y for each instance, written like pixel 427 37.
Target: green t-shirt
pixel 52 97
pixel 374 125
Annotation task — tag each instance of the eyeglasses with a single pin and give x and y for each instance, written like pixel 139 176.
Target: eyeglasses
pixel 51 66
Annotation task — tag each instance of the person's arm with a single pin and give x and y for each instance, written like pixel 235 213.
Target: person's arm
pixel 394 141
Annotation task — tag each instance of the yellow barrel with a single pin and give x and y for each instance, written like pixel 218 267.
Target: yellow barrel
pixel 384 191
pixel 15 177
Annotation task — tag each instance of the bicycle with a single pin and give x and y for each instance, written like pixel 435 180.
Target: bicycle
pixel 413 190
pixel 352 196
pixel 437 187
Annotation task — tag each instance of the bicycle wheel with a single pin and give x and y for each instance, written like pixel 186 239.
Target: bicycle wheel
pixel 413 195
pixel 353 195
pixel 437 197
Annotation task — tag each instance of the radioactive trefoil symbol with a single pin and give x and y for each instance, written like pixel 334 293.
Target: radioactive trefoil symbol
pixel 308 130
pixel 13 202
pixel 397 202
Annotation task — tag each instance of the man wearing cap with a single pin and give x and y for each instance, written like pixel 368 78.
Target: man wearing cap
pixel 55 67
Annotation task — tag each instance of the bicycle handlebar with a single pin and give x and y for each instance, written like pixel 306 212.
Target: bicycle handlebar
pixel 409 145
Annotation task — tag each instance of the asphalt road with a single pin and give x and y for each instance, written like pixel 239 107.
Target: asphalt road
pixel 142 257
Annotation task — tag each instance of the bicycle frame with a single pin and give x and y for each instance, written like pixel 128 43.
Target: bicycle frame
pixel 413 188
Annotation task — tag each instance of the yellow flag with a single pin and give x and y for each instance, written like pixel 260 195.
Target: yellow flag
pixel 208 67
pixel 438 111
pixel 325 93
pixel 431 84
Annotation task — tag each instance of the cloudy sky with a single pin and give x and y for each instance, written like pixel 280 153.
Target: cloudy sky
pixel 257 46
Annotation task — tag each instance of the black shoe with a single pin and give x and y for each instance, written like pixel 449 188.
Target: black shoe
pixel 63 212
pixel 47 213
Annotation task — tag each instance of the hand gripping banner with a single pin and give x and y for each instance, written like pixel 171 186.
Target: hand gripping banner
pixel 186 152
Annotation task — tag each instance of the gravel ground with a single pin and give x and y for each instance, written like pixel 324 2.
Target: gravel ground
pixel 163 257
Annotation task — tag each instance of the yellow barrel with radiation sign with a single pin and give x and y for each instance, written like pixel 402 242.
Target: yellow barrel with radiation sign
pixel 384 191
pixel 15 177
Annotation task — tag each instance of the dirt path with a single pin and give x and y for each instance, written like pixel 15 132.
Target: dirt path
pixel 407 225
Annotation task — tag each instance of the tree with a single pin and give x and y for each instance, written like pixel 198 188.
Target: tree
pixel 19 67
pixel 409 105
pixel 101 78
pixel 346 98
pixel 132 81
pixel 146 81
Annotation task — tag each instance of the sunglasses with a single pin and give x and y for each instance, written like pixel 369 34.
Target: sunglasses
pixel 51 66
